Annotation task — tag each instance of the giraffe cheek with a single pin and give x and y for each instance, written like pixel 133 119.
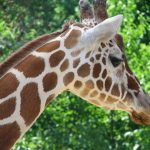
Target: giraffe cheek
pixel 100 84
pixel 108 84
pixel 115 90
pixel 96 70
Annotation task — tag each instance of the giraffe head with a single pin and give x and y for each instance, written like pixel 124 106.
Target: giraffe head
pixel 102 75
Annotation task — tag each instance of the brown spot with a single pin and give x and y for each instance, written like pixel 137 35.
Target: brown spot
pixel 78 84
pixel 106 52
pixel 115 90
pixel 68 78
pixel 111 100
pixel 98 56
pixel 8 85
pixel 92 59
pixel 72 39
pixel 128 99
pixel 103 45
pixel 99 84
pixel 89 84
pixel 64 65
pixel 88 54
pixel 96 70
pixel 99 49
pixel 76 63
pixel 108 83
pixel 110 45
pixel 56 58
pixel 49 47
pixel 84 70
pixel 104 74
pixel 30 103
pixel 84 92
pixel 49 99
pixel 94 94
pixel 50 81
pixel 104 61
pixel 132 83
pixel 102 97
pixel 8 135
pixel 7 108
pixel 32 66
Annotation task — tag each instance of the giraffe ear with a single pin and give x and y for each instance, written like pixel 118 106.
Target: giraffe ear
pixel 105 30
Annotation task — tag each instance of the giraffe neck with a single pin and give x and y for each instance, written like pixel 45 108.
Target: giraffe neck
pixel 28 87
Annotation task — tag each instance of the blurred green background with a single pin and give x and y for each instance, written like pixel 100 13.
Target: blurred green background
pixel 70 123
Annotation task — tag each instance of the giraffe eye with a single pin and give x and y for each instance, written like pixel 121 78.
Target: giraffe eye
pixel 115 61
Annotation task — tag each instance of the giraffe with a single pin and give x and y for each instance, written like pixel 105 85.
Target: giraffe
pixel 85 58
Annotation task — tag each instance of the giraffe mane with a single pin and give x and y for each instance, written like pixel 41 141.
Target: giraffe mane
pixel 22 52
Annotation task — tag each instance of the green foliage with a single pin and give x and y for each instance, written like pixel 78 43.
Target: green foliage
pixel 70 123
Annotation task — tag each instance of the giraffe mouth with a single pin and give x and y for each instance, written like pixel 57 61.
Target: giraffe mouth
pixel 140 118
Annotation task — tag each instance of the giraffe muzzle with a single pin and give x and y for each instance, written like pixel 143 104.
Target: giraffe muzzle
pixel 140 118
pixel 141 115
